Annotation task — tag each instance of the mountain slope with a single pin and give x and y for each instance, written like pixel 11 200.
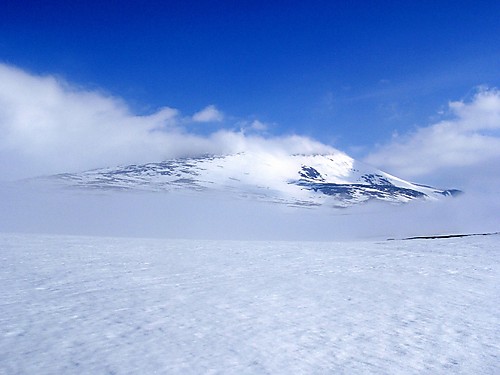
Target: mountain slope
pixel 334 179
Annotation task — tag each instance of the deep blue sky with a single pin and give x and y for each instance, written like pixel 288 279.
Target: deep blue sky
pixel 347 73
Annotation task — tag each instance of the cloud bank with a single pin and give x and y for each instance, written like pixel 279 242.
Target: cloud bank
pixel 464 149
pixel 30 209
pixel 50 126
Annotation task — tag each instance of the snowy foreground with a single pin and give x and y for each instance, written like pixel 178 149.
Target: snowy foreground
pixel 88 305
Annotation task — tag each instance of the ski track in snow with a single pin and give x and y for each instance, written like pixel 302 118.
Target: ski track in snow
pixel 88 305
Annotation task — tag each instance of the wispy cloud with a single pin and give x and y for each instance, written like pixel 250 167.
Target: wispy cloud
pixel 208 114
pixel 468 141
pixel 48 126
pixel 253 127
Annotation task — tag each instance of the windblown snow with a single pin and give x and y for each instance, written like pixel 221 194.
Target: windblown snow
pixel 89 305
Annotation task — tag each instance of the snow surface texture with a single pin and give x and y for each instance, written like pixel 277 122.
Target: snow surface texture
pixel 89 305
pixel 305 180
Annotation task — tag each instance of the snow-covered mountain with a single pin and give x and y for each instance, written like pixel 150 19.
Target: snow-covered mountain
pixel 307 180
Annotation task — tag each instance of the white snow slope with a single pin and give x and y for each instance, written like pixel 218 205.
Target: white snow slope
pixel 88 305
pixel 334 179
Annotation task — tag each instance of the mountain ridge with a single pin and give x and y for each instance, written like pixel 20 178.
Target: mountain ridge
pixel 333 179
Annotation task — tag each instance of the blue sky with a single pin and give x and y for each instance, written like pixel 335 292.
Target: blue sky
pixel 348 74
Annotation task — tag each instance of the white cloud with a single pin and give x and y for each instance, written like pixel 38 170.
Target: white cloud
pixel 467 143
pixel 253 127
pixel 257 125
pixel 49 126
pixel 208 114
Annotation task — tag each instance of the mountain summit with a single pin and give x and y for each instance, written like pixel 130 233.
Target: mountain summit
pixel 304 180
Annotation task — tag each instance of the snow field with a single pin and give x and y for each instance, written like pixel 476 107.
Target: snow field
pixel 89 305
